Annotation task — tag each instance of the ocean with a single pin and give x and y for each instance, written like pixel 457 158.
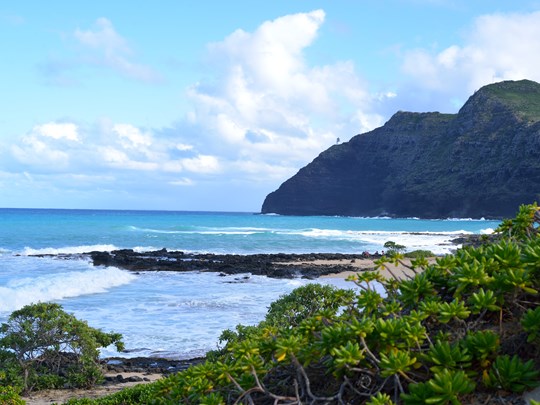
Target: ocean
pixel 181 315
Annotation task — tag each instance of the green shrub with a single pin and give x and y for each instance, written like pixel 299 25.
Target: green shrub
pixel 444 388
pixel 10 396
pixel 531 324
pixel 443 355
pixel 290 309
pixel 513 374
pixel 419 253
pixel 138 394
pixel 393 247
pixel 41 346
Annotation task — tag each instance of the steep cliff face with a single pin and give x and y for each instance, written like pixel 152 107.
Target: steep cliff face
pixel 481 162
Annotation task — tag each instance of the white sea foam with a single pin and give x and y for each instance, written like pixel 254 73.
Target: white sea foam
pixel 487 231
pixel 205 231
pixel 437 242
pixel 142 249
pixel 28 251
pixel 22 291
pixel 465 219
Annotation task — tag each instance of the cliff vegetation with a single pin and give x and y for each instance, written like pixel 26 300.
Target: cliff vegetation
pixel 481 162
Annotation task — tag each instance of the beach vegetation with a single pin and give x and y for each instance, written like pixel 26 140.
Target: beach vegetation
pixel 419 253
pixel 393 247
pixel 9 395
pixel 531 324
pixel 42 346
pixel 461 329
pixel 513 374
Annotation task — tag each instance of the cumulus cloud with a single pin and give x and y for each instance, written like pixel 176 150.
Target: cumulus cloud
pixel 33 151
pixel 497 47
pixel 131 137
pixel 45 146
pixel 55 130
pixel 202 164
pixel 268 104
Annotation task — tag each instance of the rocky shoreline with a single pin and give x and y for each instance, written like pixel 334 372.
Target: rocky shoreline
pixel 117 367
pixel 278 265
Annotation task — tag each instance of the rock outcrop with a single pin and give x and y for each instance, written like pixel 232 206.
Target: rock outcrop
pixel 483 161
pixel 280 265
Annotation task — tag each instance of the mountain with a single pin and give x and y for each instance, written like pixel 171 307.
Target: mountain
pixel 483 161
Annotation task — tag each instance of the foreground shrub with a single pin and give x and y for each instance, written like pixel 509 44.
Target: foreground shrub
pixel 10 396
pixel 42 346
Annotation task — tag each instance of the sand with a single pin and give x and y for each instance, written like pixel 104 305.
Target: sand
pixel 400 271
pixel 48 397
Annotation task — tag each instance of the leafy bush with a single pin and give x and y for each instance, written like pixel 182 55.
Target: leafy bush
pixel 531 323
pixel 512 374
pixel 419 253
pixel 10 396
pixel 444 388
pixel 392 247
pixel 138 394
pixel 41 346
pixel 290 309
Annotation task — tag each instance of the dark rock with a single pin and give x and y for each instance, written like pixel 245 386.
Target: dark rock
pixel 483 161
pixel 148 365
pixel 271 265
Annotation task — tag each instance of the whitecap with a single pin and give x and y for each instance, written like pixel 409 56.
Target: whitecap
pixel 23 291
pixel 28 251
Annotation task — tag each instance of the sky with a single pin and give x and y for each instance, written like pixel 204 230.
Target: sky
pixel 211 105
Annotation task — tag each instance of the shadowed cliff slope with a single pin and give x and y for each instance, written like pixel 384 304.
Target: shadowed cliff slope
pixel 481 162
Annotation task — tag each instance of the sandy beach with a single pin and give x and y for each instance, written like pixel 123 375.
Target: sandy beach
pixel 401 271
pixel 48 397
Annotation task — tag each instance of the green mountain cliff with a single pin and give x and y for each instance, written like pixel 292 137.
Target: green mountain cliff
pixel 481 162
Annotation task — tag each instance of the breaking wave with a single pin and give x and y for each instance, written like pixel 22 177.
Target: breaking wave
pixel 23 291
pixel 28 251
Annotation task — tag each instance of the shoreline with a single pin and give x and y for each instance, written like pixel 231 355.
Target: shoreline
pixel 274 265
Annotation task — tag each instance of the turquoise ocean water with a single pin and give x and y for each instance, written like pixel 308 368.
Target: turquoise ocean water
pixel 181 315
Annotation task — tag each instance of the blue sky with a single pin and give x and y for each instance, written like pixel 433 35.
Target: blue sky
pixel 211 105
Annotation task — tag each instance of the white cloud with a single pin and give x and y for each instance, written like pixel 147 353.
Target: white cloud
pixel 268 105
pixel 113 51
pixel 183 147
pixel 104 37
pixel 33 151
pixel 55 130
pixel 182 182
pixel 121 160
pixel 497 47
pixel 132 137
pixel 202 164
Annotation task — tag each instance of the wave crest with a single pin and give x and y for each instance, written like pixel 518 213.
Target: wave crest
pixel 20 292
pixel 28 251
